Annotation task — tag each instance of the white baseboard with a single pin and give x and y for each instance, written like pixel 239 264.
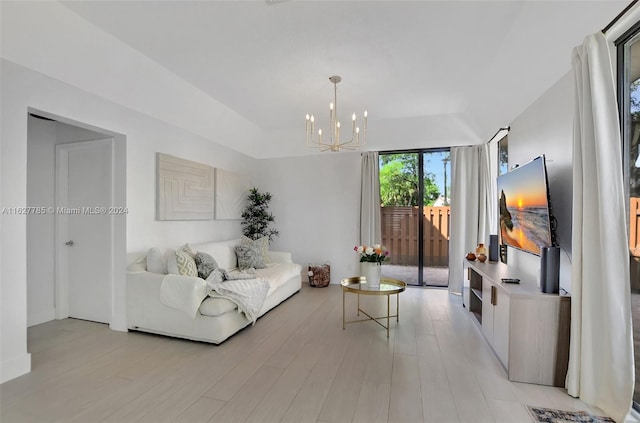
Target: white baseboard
pixel 17 366
pixel 118 323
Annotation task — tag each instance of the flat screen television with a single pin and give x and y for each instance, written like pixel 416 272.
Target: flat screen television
pixel 526 222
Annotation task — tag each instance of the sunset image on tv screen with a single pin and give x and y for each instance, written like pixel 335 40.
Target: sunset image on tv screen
pixel 524 210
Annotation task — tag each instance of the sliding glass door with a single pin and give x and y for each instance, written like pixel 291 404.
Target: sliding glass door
pixel 414 192
pixel 629 98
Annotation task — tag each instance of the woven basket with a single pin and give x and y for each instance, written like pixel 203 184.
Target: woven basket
pixel 319 275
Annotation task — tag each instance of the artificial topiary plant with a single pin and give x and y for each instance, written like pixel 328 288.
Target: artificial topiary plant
pixel 256 219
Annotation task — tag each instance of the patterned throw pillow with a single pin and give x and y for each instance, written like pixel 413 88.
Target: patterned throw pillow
pixel 261 243
pixel 186 264
pixel 249 256
pixel 187 249
pixel 205 264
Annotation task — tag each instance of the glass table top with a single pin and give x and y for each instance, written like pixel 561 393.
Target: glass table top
pixel 358 284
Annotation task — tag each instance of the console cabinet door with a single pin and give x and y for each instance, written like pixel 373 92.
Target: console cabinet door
pixel 501 327
pixel 487 311
pixel 466 287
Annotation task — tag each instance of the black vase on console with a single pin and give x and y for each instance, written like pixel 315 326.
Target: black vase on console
pixel 493 247
pixel 550 270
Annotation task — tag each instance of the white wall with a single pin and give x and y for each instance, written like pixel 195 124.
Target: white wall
pixel 23 89
pixel 47 36
pixel 546 127
pixel 316 201
pixel 42 137
pixel 13 241
pixel 40 228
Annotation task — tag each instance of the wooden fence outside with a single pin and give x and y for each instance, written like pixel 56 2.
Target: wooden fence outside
pixel 400 235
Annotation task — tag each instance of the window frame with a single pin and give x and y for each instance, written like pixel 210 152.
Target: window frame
pixel 623 92
pixel 420 152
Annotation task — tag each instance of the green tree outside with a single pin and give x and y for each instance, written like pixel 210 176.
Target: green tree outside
pixel 399 181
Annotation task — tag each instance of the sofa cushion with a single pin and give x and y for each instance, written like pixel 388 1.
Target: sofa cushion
pixel 249 256
pixel 222 251
pixel 216 306
pixel 205 264
pixel 186 264
pixel 155 261
pixel 261 243
pixel 278 274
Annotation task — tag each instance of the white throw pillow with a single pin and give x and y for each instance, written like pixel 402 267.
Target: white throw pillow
pixel 155 261
pixel 172 264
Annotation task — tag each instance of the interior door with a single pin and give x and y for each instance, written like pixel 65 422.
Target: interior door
pixel 84 229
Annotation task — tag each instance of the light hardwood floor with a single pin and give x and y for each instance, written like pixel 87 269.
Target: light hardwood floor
pixel 295 365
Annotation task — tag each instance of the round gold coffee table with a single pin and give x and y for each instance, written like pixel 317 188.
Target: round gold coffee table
pixel 358 285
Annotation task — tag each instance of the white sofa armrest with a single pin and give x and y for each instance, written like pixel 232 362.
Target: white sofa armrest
pixel 145 282
pixel 280 257
pixel 139 264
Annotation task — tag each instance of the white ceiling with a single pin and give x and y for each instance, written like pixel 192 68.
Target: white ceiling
pixel 430 73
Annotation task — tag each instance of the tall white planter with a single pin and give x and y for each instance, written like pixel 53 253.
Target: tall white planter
pixel 371 271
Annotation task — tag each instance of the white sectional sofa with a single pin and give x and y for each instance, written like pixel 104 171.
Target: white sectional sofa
pixel 217 318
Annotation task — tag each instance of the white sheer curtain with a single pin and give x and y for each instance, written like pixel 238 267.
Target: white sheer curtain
pixel 488 211
pixel 601 369
pixel 370 225
pixel 465 205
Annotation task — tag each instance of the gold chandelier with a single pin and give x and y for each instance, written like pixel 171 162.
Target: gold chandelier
pixel 334 143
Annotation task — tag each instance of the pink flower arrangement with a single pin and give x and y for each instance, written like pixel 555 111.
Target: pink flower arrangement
pixel 376 254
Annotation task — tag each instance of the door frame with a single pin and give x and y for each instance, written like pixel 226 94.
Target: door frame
pixel 622 60
pixel 61 227
pixel 420 152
